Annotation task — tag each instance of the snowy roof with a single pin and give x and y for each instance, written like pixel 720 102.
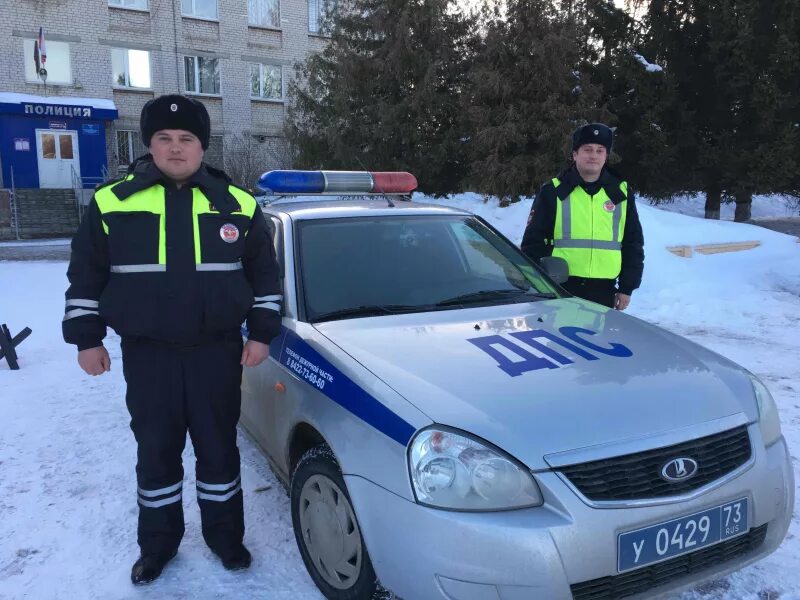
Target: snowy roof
pixel 14 98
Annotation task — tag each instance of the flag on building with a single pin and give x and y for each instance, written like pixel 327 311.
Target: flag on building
pixel 36 56
pixel 42 51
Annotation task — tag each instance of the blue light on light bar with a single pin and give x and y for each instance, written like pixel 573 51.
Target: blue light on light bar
pixel 292 182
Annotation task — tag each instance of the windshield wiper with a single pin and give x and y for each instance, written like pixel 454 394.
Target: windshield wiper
pixel 485 295
pixel 367 311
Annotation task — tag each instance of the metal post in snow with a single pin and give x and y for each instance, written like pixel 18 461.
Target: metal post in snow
pixel 73 176
pixel 14 204
pixel 8 344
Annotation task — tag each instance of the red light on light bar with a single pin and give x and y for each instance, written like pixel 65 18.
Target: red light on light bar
pixel 393 182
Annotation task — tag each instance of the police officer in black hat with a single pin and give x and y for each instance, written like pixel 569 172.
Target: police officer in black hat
pixel 174 258
pixel 587 216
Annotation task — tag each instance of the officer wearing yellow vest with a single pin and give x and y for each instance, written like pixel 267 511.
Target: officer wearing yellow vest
pixel 587 216
pixel 174 258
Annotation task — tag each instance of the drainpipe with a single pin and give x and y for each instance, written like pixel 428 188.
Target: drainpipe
pixel 175 48
pixel 14 203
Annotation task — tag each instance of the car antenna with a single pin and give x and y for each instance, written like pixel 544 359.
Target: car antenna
pixel 385 195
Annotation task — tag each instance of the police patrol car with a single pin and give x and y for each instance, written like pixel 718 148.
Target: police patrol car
pixel 453 425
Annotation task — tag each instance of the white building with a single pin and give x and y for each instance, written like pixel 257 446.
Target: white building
pixel 106 58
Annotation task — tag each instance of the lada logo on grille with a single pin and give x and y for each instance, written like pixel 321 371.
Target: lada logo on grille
pixel 679 469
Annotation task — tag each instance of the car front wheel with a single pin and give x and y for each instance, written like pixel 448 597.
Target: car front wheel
pixel 327 531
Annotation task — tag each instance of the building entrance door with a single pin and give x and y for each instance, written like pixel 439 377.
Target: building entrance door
pixel 57 154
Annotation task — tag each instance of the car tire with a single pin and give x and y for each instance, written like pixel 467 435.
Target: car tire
pixel 326 529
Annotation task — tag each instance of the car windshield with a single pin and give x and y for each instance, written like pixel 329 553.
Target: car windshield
pixel 364 266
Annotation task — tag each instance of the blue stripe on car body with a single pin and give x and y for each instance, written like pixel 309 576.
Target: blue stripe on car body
pixel 299 358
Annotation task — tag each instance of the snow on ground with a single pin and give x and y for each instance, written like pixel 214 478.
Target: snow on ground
pixel 67 486
pixel 67 483
pixel 763 207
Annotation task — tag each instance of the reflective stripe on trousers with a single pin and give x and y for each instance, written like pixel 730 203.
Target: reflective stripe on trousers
pixel 218 492
pixel 161 497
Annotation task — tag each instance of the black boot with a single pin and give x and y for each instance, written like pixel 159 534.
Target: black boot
pixel 148 567
pixel 235 559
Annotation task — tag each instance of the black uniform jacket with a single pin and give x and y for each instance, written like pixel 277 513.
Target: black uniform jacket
pixel 182 304
pixel 538 238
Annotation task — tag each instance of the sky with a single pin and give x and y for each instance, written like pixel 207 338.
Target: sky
pixel 67 456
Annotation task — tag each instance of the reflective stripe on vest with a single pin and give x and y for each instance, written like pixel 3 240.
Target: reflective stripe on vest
pixel 235 266
pixel 152 201
pixel 138 268
pixel 588 235
pixel 201 206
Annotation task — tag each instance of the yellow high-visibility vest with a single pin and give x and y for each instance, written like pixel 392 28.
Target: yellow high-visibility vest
pixel 588 232
pixel 146 212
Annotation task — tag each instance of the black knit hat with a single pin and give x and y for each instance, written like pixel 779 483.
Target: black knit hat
pixel 175 112
pixel 593 133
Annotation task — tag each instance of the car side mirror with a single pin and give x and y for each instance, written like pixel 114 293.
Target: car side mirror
pixel 556 268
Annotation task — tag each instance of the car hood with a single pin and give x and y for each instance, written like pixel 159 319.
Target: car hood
pixel 547 377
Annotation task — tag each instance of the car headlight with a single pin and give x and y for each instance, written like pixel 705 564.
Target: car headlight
pixel 453 471
pixel 768 419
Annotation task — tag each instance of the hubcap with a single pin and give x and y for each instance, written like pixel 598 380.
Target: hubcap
pixel 330 532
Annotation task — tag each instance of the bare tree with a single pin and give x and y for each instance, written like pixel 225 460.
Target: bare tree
pixel 248 156
pixel 793 200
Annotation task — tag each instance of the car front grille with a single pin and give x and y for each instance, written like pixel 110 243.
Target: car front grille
pixel 647 578
pixel 638 476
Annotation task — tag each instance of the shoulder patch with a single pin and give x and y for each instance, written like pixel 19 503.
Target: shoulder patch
pixel 100 186
pixel 242 188
pixel 245 200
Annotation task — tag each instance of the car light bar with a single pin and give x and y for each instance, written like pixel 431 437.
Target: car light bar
pixel 337 182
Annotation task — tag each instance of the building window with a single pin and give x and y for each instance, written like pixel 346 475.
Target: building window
pixel 48 145
pixel 65 145
pixel 266 13
pixel 204 9
pixel 58 64
pixel 140 4
pixel 130 68
pixel 266 82
pixel 202 74
pixel 320 13
pixel 129 147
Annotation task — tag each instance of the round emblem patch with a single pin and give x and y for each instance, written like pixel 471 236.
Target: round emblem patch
pixel 229 233
pixel 173 107
pixel 609 206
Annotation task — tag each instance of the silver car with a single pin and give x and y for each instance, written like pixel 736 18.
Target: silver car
pixel 450 424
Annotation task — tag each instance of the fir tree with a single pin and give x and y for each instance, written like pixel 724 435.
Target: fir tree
pixel 384 94
pixel 762 71
pixel 527 95
pixel 638 95
pixel 729 62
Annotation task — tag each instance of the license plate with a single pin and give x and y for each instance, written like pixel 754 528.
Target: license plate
pixel 679 536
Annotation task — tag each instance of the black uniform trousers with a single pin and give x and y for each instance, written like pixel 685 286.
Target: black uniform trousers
pixel 172 389
pixel 601 291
